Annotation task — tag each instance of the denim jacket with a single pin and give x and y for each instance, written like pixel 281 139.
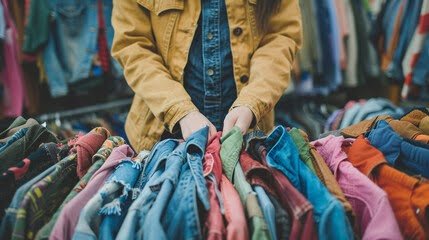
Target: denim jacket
pixel 329 214
pixel 109 200
pixel 72 42
pixel 176 212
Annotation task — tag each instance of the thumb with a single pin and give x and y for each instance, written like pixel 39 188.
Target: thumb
pixel 243 124
pixel 229 123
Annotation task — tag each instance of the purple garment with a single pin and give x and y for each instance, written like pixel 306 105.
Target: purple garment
pixel 374 215
pixel 331 120
pixel 11 75
pixel 67 221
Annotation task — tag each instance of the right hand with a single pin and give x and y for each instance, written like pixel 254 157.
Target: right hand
pixel 193 122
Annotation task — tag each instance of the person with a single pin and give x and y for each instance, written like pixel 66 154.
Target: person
pixel 196 63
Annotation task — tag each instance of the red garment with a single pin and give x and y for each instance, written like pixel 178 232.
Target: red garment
pixel 257 174
pixel 103 49
pixel 86 147
pixel 214 228
pixel 234 213
pixel 303 225
pixel 235 219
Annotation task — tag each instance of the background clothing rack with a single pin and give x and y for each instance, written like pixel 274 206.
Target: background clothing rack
pixel 85 110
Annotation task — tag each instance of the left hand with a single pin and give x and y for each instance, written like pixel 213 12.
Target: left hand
pixel 241 117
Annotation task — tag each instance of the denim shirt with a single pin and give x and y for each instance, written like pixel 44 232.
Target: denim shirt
pixel 72 42
pixel 329 214
pixel 209 76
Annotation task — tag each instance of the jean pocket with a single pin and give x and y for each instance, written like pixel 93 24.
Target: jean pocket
pixel 71 15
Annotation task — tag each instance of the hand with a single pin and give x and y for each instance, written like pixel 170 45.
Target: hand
pixel 241 117
pixel 193 122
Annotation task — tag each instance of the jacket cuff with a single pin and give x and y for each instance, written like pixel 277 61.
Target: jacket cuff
pixel 176 113
pixel 255 105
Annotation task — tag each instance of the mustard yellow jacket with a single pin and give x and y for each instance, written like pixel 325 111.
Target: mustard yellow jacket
pixel 152 41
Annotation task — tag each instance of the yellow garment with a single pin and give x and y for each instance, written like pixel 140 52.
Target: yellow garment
pixel 152 41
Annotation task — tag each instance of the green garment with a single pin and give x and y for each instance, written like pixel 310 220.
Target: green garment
pixel 102 154
pixel 303 148
pixel 230 151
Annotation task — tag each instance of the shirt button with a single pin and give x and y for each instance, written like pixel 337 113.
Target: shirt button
pixel 237 31
pixel 244 79
pixel 210 36
pixel 210 72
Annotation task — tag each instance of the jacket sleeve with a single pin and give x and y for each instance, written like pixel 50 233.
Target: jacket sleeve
pixel 135 49
pixel 271 63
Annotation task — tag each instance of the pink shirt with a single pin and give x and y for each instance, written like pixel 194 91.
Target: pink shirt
pixel 374 215
pixel 11 74
pixel 66 224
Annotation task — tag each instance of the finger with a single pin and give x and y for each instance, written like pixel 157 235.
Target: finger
pixel 212 131
pixel 228 124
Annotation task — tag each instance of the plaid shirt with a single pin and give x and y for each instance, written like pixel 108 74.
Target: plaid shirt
pixel 40 203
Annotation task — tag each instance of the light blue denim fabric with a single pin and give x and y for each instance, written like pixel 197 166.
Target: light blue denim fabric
pixel 375 105
pixel 329 214
pixel 9 218
pixel 72 43
pixel 268 210
pixel 111 221
pixel 152 170
pixel 109 200
pixel 349 115
pixel 175 213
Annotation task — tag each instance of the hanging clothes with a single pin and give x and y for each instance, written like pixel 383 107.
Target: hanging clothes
pixel 11 74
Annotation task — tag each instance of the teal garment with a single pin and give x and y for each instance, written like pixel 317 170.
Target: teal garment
pixel 230 151
pixel 329 215
pixel 37 31
pixel 303 148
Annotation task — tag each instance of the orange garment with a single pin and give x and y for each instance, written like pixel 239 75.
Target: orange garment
pixel 408 196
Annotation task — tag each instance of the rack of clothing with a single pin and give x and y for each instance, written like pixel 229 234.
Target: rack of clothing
pixel 63 46
pixel 360 110
pixel 364 42
pixel 111 115
pixel 368 180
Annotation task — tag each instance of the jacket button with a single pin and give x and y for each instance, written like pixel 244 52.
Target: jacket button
pixel 237 31
pixel 244 79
